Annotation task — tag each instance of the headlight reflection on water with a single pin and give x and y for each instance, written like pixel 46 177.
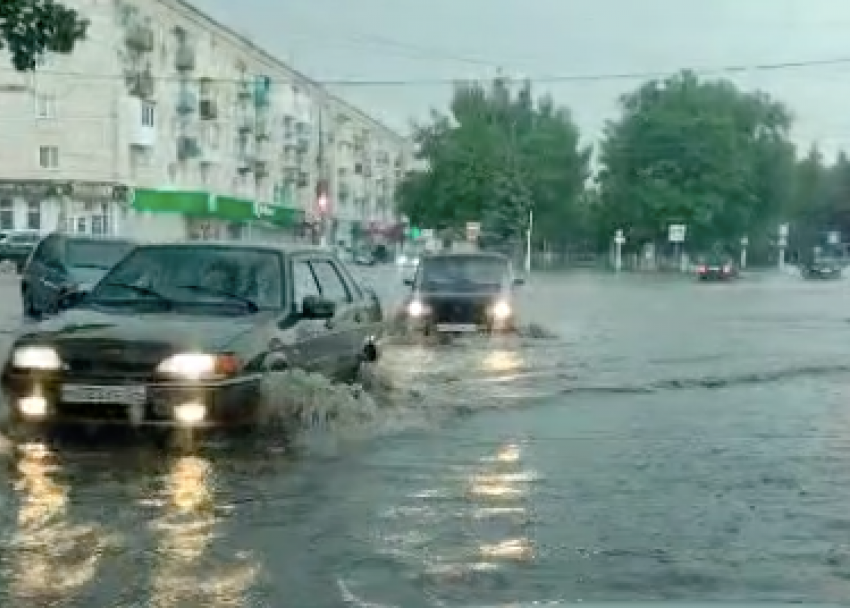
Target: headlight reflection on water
pixel 50 558
pixel 186 571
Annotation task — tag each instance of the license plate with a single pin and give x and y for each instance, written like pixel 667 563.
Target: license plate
pixel 714 268
pixel 114 395
pixel 457 327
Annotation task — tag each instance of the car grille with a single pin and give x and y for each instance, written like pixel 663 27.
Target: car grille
pixel 112 359
pixel 459 310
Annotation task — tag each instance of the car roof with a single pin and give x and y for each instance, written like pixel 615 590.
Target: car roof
pixel 94 238
pixel 284 249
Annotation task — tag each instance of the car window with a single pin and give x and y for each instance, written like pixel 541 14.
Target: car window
pixel 85 253
pixel 330 282
pixel 460 270
pixel 48 251
pixel 303 282
pixel 169 270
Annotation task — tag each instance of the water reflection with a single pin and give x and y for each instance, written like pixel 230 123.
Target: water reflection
pixel 188 569
pixel 51 557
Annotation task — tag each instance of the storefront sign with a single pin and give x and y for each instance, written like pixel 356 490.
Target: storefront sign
pixel 87 191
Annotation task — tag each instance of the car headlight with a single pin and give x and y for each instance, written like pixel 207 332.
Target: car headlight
pixel 36 357
pixel 402 260
pixel 501 311
pixel 416 309
pixel 198 366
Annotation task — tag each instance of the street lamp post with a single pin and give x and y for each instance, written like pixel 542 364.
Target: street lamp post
pixel 528 234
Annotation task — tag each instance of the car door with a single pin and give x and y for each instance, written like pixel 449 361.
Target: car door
pixel 52 275
pixel 367 316
pixel 342 328
pixel 311 348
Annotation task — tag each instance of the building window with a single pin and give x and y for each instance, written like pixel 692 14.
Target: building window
pixel 81 225
pixel 45 106
pixel 97 225
pixel 34 216
pixel 48 157
pixel 148 115
pixel 7 214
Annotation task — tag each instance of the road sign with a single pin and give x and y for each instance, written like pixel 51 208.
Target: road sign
pixel 677 232
pixel 783 231
pixel 833 238
pixel 473 229
pixel 745 241
pixel 619 238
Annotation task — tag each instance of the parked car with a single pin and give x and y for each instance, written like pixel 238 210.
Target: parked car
pixel 182 335
pixel 17 246
pixel 717 268
pixel 461 293
pixel 65 263
pixel 822 269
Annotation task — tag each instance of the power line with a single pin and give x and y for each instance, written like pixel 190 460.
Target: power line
pixel 544 79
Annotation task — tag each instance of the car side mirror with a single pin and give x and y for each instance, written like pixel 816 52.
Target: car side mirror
pixel 408 282
pixel 519 282
pixel 71 299
pixel 315 307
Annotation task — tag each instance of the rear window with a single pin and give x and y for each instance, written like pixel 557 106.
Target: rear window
pixel 95 254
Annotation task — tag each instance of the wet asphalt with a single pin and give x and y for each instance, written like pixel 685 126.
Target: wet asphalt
pixel 666 440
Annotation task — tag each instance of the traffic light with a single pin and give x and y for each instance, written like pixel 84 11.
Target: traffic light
pixel 415 232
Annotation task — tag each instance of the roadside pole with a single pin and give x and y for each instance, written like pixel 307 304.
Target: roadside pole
pixel 528 233
pixel 676 235
pixel 619 241
pixel 783 245
pixel 745 241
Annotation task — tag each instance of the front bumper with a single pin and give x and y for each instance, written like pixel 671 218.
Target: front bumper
pixel 39 399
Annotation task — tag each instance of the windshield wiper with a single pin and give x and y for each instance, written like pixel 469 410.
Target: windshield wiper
pixel 140 289
pixel 249 303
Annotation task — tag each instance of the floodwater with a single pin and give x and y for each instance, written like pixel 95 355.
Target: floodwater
pixel 668 440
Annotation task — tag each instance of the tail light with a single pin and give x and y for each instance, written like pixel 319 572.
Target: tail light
pixel 727 269
pixel 701 269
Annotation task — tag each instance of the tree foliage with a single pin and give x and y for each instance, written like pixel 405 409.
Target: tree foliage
pixel 31 28
pixel 497 154
pixel 701 153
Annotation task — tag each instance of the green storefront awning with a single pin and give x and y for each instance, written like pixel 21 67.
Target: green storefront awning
pixel 194 204
pixel 205 205
pixel 232 209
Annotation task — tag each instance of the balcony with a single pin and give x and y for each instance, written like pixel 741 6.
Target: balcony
pixel 187 148
pixel 243 90
pixel 141 85
pixel 184 60
pixel 141 117
pixel 139 37
pixel 209 109
pixel 261 168
pixel 187 103
pixel 262 91
pixel 262 128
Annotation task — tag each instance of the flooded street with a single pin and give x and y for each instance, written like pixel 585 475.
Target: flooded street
pixel 668 440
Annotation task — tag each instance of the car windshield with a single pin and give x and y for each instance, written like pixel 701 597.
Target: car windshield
pixel 83 253
pixel 463 270
pixel 195 274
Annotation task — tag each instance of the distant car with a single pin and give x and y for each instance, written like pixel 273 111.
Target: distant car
pixel 461 293
pixel 65 263
pixel 822 269
pixel 364 258
pixel 407 260
pixel 717 269
pixel 182 335
pixel 16 248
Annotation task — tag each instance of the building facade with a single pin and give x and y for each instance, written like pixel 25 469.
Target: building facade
pixel 166 124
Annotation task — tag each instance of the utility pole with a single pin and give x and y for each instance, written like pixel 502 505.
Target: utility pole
pixel 322 183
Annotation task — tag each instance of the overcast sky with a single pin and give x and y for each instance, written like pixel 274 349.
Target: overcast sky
pixel 444 39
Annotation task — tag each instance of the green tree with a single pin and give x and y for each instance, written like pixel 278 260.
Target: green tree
pixel 497 154
pixel 31 28
pixel 702 153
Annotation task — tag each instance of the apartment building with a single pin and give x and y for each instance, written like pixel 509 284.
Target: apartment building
pixel 167 124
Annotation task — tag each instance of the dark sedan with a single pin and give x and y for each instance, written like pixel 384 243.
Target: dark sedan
pixel 457 293
pixel 66 263
pixel 717 269
pixel 182 335
pixel 822 269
